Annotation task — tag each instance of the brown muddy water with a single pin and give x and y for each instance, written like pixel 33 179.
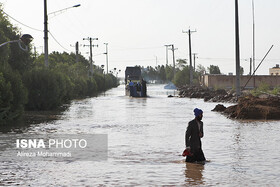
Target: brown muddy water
pixel 145 140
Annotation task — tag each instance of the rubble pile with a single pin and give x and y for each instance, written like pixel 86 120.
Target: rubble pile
pixel 253 108
pixel 210 95
pixel 264 107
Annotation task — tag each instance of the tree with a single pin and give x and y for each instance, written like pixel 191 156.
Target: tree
pixel 6 98
pixel 5 31
pixel 13 61
pixel 214 69
pixel 162 73
pixel 12 84
pixel 25 82
pixel 200 69
pixel 169 72
pixel 11 53
pixel 181 63
pixel 182 77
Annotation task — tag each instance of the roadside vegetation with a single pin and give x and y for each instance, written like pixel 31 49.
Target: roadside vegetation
pixel 265 89
pixel 165 74
pixel 26 84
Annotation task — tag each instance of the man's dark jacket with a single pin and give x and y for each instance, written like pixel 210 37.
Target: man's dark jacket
pixel 192 135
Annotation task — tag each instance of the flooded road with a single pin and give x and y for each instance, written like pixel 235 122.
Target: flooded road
pixel 145 141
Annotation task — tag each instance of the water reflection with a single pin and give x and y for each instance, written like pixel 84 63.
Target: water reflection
pixel 194 174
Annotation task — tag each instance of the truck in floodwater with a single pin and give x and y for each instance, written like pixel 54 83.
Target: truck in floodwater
pixel 135 85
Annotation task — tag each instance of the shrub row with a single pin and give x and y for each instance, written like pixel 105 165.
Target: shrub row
pixel 25 83
pixel 13 95
pixel 43 88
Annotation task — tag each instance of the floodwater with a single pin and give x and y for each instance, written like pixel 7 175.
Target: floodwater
pixel 145 141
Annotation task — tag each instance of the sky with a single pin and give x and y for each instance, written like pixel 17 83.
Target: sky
pixel 137 30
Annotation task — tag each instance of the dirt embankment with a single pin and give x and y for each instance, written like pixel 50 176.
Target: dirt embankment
pixel 253 108
pixel 219 95
pixel 247 107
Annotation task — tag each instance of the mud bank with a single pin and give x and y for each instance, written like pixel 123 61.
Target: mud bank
pixel 253 108
pixel 199 92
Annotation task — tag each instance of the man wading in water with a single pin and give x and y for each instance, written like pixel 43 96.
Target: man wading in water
pixel 193 135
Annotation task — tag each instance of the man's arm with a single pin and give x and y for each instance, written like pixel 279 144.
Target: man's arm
pixel 188 135
pixel 201 134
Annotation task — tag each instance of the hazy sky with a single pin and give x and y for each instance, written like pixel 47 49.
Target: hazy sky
pixel 137 30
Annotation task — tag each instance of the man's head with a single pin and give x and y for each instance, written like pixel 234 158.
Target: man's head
pixel 198 113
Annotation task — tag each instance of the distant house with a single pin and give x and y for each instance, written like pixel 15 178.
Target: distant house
pixel 275 70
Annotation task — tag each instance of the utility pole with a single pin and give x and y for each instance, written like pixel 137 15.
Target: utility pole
pixel 173 49
pixel 77 52
pixel 254 44
pixel 106 56
pixel 194 58
pixel 156 61
pixel 253 9
pixel 167 53
pixel 46 55
pixel 250 66
pixel 189 32
pixel 237 52
pixel 90 49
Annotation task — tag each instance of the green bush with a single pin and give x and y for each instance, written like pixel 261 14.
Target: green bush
pixel 276 91
pixel 80 87
pixel 6 97
pixel 99 79
pixel 47 89
pixel 265 88
pixel 25 82
pixel 260 89
pixel 66 87
pixel 13 95
pixel 91 87
pixel 182 77
pixel 115 81
pixel 109 81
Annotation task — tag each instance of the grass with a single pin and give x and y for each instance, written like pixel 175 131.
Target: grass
pixel 265 88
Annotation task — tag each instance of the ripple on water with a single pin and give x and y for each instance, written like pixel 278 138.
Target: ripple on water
pixel 145 139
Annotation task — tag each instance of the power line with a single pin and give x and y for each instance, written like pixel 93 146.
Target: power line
pixel 21 22
pixel 36 30
pixel 138 48
pixel 209 58
pixel 58 42
pixel 139 60
pixel 189 32
pixel 90 50
pixel 98 54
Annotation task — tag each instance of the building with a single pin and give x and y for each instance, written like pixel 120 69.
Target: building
pixel 228 81
pixel 275 70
